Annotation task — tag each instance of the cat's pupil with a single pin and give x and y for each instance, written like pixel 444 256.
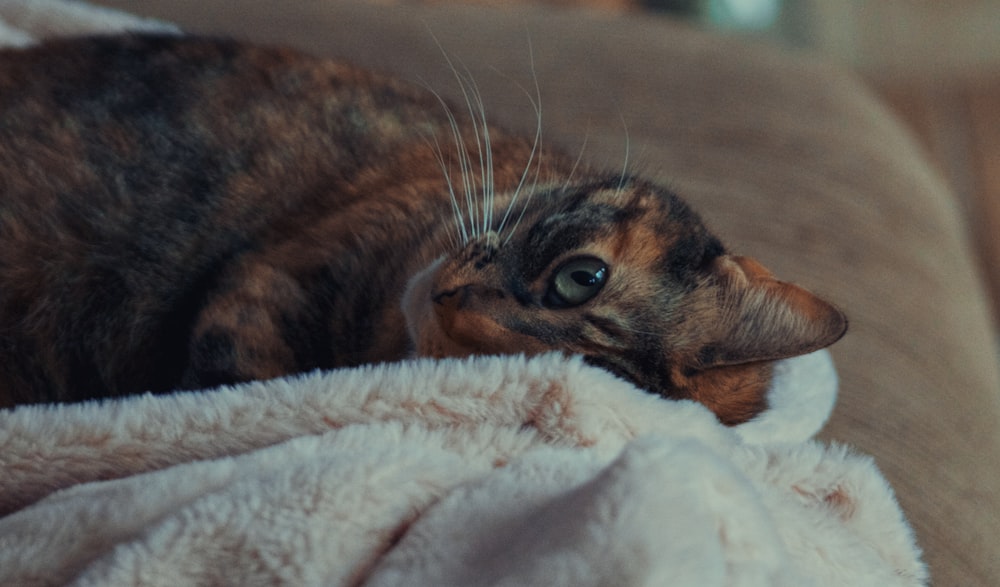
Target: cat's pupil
pixel 585 278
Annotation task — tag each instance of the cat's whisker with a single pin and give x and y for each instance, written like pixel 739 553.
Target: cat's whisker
pixel 480 127
pixel 468 181
pixel 460 236
pixel 465 167
pixel 470 93
pixel 465 161
pixel 445 169
pixel 489 194
pixel 477 111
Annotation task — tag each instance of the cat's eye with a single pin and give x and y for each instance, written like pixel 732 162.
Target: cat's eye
pixel 576 281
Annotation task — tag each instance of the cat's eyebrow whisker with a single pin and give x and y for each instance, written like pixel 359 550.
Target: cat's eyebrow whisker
pixel 579 158
pixel 536 104
pixel 531 193
pixel 628 146
pixel 535 154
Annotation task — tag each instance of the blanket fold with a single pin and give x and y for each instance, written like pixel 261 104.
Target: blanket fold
pixel 490 470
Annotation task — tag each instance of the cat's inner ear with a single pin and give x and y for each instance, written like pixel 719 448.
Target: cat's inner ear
pixel 762 318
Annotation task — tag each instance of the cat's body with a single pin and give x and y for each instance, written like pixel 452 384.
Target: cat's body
pixel 180 213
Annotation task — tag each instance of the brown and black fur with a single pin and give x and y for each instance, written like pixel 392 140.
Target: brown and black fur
pixel 180 213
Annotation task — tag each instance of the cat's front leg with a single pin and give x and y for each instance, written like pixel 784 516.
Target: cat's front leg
pixel 239 334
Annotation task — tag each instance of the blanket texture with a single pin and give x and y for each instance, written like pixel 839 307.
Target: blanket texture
pixel 483 471
pixel 480 471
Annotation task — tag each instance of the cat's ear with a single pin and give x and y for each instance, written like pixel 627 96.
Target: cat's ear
pixel 761 318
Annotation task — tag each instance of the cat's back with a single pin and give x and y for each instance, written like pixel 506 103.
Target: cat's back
pixel 158 143
pixel 133 169
pixel 167 103
pixel 98 131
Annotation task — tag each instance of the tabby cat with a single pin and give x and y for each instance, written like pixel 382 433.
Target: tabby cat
pixel 180 212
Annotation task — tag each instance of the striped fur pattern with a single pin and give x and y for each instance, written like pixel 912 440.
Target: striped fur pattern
pixel 183 212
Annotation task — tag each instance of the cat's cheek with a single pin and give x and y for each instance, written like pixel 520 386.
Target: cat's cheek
pixel 421 321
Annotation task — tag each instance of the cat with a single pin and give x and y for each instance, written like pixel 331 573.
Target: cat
pixel 182 212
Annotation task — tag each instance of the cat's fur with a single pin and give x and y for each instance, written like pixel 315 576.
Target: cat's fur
pixel 181 212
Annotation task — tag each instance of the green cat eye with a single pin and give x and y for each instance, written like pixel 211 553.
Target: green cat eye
pixel 576 281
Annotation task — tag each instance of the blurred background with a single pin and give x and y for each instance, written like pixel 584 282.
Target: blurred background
pixel 935 62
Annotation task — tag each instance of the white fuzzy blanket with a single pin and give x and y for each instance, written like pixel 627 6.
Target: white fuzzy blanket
pixel 486 471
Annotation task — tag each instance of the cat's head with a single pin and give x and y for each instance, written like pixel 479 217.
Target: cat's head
pixel 628 276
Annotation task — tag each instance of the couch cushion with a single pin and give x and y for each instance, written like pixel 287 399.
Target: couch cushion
pixel 790 160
